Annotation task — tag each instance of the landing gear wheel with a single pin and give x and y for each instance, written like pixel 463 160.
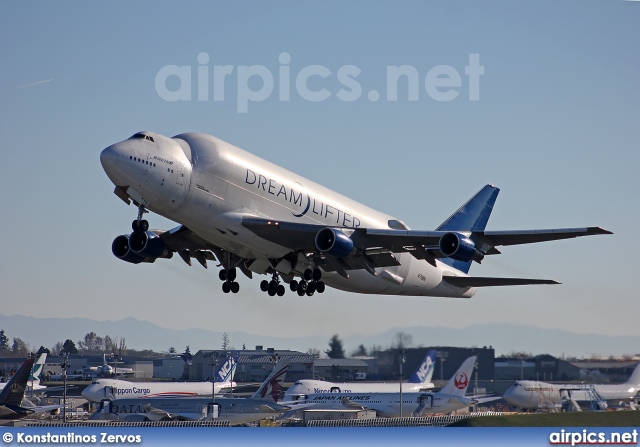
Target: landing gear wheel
pixel 317 274
pixel 293 285
pixel 300 292
pixel 235 287
pixel 308 275
pixel 134 226
pixel 264 285
pixel 280 290
pixel 143 225
pixel 231 274
pixel 222 275
pixel 272 290
pixel 320 287
pixel 311 288
pixel 226 287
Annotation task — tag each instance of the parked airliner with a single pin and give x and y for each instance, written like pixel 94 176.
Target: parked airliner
pixel 256 217
pixel 13 392
pixel 33 383
pixel 118 389
pixel 236 410
pixel 419 380
pixel 532 395
pixel 450 398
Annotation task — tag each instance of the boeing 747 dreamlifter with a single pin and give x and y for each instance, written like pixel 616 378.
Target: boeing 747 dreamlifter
pixel 256 217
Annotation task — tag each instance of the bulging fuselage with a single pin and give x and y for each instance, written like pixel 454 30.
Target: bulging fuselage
pixel 209 186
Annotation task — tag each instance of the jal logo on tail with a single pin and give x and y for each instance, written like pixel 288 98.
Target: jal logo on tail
pixel 461 381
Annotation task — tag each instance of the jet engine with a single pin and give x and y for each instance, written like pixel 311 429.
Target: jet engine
pixel 459 247
pixel 148 245
pixel 121 250
pixel 139 247
pixel 334 242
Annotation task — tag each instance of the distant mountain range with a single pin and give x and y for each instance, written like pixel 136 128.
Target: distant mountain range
pixel 504 337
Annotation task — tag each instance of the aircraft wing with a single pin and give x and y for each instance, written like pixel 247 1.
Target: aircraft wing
pixel 480 281
pixel 375 247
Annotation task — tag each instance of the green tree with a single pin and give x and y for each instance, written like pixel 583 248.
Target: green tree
pixel 359 351
pixel 4 342
pixel 225 341
pixel 91 342
pixel 336 348
pixel 19 348
pixel 43 350
pixel 172 350
pixel 70 347
pixel 314 353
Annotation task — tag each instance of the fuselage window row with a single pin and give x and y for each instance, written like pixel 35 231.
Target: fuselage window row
pixel 141 160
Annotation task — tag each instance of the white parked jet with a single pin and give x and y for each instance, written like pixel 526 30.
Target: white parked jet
pixel 532 395
pixel 260 405
pixel 420 380
pixel 118 389
pixel 257 217
pixel 450 398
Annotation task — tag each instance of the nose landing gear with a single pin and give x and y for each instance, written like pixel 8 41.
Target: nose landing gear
pixel 140 225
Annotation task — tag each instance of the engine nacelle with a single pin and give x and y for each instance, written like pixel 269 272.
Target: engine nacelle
pixel 148 245
pixel 121 249
pixel 334 242
pixel 459 247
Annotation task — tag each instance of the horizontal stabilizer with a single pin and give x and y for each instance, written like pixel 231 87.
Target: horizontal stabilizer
pixel 479 281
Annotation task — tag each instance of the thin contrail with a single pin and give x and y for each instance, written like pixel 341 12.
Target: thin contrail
pixel 34 83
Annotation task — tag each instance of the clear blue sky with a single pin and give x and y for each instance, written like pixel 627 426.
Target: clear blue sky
pixel 555 127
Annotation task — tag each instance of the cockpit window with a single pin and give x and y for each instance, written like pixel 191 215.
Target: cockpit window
pixel 141 136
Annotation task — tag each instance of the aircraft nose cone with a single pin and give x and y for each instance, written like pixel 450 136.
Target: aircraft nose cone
pixel 86 392
pixel 108 158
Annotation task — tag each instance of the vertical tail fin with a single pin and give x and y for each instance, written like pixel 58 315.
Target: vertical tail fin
pixel 38 366
pixel 457 385
pixel 227 370
pixel 13 391
pixel 635 376
pixel 472 216
pixel 425 371
pixel 271 387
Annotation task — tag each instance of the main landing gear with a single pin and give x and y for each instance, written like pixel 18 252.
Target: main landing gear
pixel 229 278
pixel 309 284
pixel 273 287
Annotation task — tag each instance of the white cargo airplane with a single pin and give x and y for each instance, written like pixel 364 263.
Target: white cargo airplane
pixel 450 398
pixel 106 370
pixel 420 380
pixel 533 395
pixel 118 389
pixel 257 217
pixel 260 405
